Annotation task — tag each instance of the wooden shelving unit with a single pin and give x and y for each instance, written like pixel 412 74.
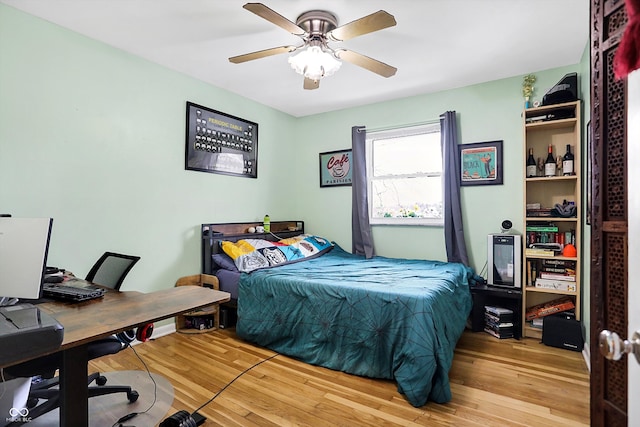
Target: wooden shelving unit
pixel 558 125
pixel 211 312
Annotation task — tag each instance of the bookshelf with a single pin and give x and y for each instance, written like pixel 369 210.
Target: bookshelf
pixel 556 125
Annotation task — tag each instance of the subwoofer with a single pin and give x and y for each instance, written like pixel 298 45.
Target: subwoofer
pixel 562 330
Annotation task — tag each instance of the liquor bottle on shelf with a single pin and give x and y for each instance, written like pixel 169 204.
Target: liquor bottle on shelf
pixel 567 162
pixel 550 163
pixel 531 165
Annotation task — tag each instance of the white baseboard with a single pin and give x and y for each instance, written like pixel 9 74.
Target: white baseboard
pixel 160 331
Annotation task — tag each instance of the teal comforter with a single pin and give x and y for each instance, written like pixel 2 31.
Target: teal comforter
pixel 382 318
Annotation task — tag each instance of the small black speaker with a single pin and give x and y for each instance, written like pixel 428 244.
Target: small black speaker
pixel 228 317
pixel 562 330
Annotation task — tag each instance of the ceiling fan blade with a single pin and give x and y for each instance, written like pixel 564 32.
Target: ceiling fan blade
pixel 311 84
pixel 274 17
pixel 368 24
pixel 261 54
pixel 370 64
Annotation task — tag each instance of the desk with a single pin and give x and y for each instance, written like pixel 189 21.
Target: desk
pixel 100 318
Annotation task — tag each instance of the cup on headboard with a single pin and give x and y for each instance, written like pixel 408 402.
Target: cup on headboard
pixel 259 229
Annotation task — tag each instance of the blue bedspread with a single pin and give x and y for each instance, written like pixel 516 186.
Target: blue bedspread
pixel 380 318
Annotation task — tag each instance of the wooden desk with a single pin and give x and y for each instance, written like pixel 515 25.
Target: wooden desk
pixel 115 312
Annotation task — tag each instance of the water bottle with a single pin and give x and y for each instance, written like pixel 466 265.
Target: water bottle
pixel 267 224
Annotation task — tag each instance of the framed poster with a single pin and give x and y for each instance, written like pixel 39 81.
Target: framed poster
pixel 481 163
pixel 335 168
pixel 220 143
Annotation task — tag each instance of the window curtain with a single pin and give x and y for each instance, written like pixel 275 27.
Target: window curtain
pixel 362 240
pixel 453 229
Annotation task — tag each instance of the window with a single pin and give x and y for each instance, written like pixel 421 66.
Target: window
pixel 404 176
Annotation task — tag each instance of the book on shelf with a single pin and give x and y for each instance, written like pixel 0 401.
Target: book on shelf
pixel 537 322
pixel 547 308
pixel 501 335
pixel 557 276
pixel 558 285
pixel 539 213
pixel 550 269
pixel 500 327
pixel 539 252
pixel 558 266
pixel 503 321
pixel 497 311
pixel 549 228
pixel 492 318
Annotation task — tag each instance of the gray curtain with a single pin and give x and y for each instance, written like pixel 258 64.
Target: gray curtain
pixel 453 229
pixel 362 240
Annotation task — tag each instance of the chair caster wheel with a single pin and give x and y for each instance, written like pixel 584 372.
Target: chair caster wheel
pixel 133 396
pixel 101 380
pixel 32 402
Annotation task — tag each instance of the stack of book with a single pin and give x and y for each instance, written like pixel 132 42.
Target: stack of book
pixel 498 321
pixel 552 274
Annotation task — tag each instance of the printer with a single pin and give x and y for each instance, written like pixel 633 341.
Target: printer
pixel 26 332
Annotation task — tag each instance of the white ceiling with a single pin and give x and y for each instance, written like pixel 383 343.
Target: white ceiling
pixel 436 44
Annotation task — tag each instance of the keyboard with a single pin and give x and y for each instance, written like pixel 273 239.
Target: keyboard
pixel 70 292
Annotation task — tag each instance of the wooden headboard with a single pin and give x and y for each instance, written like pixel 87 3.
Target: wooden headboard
pixel 212 234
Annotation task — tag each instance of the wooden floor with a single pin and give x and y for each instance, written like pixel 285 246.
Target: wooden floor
pixel 494 383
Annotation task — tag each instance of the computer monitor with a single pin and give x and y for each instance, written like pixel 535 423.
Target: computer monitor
pixel 24 245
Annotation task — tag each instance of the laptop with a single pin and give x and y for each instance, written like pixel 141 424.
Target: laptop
pixel 73 289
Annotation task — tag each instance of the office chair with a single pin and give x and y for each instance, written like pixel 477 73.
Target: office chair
pixel 109 271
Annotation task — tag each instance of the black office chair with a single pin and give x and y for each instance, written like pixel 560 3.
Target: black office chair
pixel 110 271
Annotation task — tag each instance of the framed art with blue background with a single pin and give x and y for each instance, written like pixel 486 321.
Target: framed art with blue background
pixel 335 168
pixel 481 163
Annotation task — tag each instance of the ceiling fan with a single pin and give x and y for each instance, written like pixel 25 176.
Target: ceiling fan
pixel 317 28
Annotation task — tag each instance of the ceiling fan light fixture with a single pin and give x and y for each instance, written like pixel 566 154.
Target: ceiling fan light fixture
pixel 314 63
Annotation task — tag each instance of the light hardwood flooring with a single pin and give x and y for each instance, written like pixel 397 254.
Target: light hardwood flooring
pixel 494 383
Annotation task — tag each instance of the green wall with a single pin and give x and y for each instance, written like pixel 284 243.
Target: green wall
pixel 94 137
pixel 486 112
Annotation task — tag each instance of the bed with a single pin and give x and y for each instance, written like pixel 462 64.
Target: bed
pixel 396 319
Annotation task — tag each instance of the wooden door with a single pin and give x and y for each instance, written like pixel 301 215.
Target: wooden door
pixel 609 205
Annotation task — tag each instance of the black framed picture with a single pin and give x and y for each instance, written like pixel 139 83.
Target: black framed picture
pixel 219 143
pixel 335 168
pixel 481 163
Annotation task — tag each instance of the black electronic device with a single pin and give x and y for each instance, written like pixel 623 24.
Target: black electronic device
pixel 72 290
pixel 562 330
pixel 504 260
pixel 505 226
pixel 228 317
pixel 26 332
pixel 566 90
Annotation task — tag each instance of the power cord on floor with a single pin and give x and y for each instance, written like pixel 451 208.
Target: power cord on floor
pixel 185 419
pixel 155 392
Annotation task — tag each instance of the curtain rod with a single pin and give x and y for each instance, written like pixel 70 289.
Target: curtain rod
pixel 380 129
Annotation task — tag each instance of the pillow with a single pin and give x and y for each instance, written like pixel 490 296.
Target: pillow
pixel 253 254
pixel 224 262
